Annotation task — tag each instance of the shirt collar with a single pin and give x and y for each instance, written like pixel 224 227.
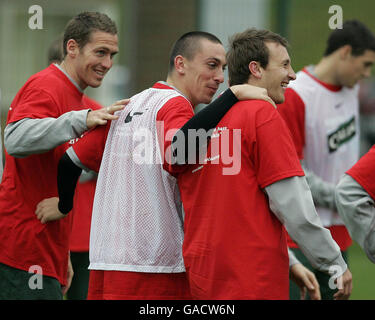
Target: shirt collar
pixel 69 77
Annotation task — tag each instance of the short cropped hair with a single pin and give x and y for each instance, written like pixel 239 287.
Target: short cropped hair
pixel 188 45
pixel 247 46
pixel 353 33
pixel 81 26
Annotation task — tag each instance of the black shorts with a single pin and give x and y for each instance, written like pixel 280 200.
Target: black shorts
pixel 16 284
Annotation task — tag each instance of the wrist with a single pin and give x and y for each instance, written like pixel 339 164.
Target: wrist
pixel 236 91
pixel 63 209
pixel 88 124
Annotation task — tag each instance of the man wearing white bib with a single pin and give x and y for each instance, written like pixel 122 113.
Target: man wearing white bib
pixel 321 110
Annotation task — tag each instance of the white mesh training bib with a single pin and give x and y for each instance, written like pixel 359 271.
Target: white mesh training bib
pixel 332 133
pixel 137 222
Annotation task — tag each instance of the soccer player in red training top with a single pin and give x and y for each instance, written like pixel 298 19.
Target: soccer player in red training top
pixel 321 111
pixel 83 201
pixel 154 236
pixel 46 114
pixel 136 231
pixel 355 199
pixel 235 244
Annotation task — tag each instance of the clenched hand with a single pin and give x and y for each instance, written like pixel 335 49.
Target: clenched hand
pixel 47 210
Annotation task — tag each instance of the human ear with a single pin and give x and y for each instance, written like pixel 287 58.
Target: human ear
pixel 72 48
pixel 255 69
pixel 179 64
pixel 345 51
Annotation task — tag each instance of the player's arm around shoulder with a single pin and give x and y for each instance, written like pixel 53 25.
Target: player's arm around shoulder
pixel 42 133
pixel 249 92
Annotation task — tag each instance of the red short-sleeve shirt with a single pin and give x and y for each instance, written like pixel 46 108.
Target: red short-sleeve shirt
pixel 364 172
pixel 234 246
pixel 24 240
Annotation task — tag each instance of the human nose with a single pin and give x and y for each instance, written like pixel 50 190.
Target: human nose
pixel 107 62
pixel 367 73
pixel 291 74
pixel 219 76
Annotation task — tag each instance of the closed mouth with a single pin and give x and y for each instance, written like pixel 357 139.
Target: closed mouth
pixel 213 88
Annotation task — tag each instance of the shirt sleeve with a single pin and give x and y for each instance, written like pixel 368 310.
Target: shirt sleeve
pixel 357 209
pixel 291 201
pixel 35 104
pixel 275 157
pixel 293 113
pixel 323 192
pixel 364 172
pixel 170 118
pixel 89 149
pixel 33 136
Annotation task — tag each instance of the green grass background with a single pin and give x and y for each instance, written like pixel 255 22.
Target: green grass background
pixel 363 271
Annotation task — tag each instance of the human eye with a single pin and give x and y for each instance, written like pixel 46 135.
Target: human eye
pixel 286 63
pixel 100 53
pixel 368 64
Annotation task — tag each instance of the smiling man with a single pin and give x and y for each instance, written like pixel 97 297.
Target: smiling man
pixel 321 110
pixel 235 244
pixel 137 222
pixel 45 117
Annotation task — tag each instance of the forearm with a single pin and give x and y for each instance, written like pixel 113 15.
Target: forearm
pixel 292 258
pixel 67 176
pixel 87 176
pixel 210 116
pixel 206 120
pixel 322 192
pixel 356 208
pixel 33 136
pixel 291 201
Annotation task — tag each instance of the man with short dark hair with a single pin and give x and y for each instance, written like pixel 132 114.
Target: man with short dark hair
pixel 46 116
pixel 83 201
pixel 235 243
pixel 321 111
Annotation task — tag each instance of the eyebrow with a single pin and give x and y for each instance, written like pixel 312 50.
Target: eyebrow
pixel 107 50
pixel 285 61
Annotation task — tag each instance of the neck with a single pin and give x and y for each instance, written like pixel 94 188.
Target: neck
pixel 69 69
pixel 256 82
pixel 325 70
pixel 179 87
